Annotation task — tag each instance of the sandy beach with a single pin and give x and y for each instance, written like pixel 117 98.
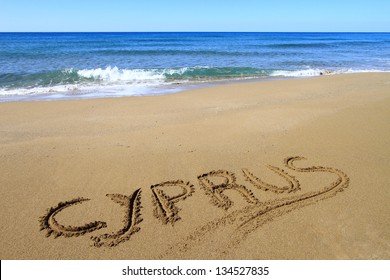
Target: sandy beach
pixel 283 169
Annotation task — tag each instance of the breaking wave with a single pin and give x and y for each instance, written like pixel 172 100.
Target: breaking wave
pixel 112 81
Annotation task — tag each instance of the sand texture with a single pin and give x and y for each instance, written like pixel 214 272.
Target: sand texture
pixel 290 169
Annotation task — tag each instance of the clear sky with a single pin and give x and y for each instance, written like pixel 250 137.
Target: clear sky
pixel 194 15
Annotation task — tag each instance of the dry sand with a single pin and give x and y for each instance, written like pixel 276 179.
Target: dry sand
pixel 212 173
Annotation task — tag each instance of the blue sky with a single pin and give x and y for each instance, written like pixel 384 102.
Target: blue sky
pixel 194 15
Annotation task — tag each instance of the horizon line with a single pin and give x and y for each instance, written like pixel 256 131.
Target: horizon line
pixel 194 31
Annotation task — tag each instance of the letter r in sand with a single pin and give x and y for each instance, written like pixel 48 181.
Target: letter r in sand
pixel 215 191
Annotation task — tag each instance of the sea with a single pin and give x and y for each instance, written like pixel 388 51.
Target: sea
pixel 50 66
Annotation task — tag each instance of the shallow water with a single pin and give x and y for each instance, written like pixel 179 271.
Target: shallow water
pixel 88 65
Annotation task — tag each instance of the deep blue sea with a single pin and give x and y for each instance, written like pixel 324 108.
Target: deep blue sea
pixel 87 65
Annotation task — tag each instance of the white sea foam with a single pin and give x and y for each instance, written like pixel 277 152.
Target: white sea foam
pixel 85 91
pixel 319 72
pixel 113 81
pixel 114 74
pixel 125 75
pixel 110 81
pixel 299 73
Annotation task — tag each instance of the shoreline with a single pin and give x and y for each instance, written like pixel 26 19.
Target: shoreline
pixel 165 156
pixel 168 89
pixel 163 90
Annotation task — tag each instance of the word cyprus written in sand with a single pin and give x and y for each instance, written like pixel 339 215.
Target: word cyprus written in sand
pixel 245 220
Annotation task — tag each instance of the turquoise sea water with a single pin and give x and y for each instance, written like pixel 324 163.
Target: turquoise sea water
pixel 86 65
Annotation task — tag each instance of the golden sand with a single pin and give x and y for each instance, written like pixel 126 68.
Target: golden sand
pixel 292 169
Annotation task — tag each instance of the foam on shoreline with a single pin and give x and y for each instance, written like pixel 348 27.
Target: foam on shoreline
pixel 116 82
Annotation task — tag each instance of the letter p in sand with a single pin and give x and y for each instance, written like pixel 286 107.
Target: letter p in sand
pixel 165 208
